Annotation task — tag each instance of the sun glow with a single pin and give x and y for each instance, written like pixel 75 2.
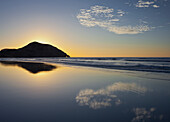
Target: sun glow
pixel 41 41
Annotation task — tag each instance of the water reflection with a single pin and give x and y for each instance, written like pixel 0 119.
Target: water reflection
pixel 142 115
pixel 103 97
pixel 30 66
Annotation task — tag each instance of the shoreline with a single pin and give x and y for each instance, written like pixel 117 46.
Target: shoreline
pixel 128 64
pixel 141 74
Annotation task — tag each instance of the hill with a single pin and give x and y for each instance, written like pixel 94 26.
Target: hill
pixel 34 49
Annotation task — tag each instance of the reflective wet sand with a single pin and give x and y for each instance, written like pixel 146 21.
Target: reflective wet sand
pixel 79 94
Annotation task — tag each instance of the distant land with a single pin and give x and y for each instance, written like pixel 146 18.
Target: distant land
pixel 33 49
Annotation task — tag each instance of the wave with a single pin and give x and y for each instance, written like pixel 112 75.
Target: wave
pixel 119 63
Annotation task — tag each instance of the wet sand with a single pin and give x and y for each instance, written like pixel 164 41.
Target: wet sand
pixel 69 93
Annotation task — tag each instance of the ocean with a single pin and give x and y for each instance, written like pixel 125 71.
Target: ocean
pixel 121 63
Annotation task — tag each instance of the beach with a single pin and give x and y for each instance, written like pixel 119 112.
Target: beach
pixel 60 92
pixel 84 61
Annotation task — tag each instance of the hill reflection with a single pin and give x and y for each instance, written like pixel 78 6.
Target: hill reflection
pixel 30 66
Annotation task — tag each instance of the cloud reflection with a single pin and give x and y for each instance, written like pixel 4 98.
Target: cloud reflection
pixel 142 115
pixel 103 97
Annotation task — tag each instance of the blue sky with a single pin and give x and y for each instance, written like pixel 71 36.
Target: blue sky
pixel 89 27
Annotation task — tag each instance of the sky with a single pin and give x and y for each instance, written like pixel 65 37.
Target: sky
pixel 89 28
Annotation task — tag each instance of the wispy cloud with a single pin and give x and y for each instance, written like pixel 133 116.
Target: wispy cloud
pixel 129 29
pixel 105 96
pixel 108 18
pixel 120 12
pixel 97 16
pixel 156 6
pixel 146 4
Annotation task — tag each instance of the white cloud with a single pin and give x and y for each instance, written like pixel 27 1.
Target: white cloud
pixel 120 12
pixel 108 18
pixel 129 29
pixel 114 20
pixel 156 6
pixel 103 97
pixel 97 16
pixel 143 4
pixel 101 9
pixel 146 4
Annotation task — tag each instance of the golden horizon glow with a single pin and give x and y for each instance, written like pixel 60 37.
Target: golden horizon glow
pixel 99 51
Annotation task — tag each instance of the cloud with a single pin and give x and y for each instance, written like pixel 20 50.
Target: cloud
pixel 120 12
pixel 104 97
pixel 101 9
pixel 146 4
pixel 156 6
pixel 108 18
pixel 97 16
pixel 129 29
pixel 142 4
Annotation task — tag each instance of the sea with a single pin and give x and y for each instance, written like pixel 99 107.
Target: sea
pixel 154 64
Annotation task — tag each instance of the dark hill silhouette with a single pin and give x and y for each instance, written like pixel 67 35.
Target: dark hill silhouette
pixel 32 67
pixel 34 49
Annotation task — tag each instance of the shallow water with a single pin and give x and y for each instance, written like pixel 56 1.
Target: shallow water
pixel 77 94
pixel 148 64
